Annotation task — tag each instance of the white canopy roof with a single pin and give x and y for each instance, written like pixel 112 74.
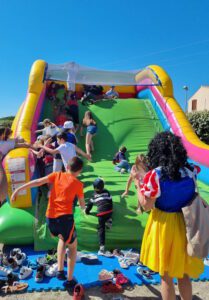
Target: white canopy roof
pixel 74 73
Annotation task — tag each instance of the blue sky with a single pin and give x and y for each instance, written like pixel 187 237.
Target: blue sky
pixel 109 34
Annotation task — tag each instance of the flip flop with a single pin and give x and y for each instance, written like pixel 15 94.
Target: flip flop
pixel 16 287
pixel 122 263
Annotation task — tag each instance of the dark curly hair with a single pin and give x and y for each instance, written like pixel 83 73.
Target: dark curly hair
pixel 167 151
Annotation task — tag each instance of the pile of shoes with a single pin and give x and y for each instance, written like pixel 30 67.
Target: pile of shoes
pixel 113 281
pixel 15 261
pixel 47 266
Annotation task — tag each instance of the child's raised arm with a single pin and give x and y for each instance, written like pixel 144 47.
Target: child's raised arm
pixel 81 152
pixel 30 184
pixel 49 150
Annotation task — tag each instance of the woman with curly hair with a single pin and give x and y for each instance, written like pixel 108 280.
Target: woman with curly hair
pixel 167 187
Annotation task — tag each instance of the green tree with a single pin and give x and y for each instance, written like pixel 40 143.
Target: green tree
pixel 7 121
pixel 200 124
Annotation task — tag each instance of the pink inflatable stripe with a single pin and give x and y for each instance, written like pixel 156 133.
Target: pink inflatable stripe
pixel 195 152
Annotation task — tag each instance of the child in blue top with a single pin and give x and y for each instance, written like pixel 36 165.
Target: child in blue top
pixel 121 161
pixel 69 129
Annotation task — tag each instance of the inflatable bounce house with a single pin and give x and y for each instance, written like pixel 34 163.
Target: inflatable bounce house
pixel 145 106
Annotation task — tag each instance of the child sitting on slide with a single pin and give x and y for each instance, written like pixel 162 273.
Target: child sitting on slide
pixel 121 161
pixel 103 200
pixel 59 214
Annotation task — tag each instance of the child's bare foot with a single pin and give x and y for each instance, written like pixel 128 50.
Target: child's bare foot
pixel 139 211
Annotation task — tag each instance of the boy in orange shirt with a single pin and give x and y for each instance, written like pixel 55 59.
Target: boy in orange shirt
pixel 65 187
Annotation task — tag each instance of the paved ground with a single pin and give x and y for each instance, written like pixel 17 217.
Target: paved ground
pixel 200 291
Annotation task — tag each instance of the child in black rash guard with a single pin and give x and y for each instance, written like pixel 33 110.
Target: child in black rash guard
pixel 103 200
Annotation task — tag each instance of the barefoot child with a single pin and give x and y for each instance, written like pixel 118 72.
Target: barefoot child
pixel 59 214
pixel 138 171
pixel 91 129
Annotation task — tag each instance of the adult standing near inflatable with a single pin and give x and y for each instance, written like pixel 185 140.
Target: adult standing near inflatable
pixel 167 187
pixel 7 144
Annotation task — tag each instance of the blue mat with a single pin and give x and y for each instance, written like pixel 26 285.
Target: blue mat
pixel 87 275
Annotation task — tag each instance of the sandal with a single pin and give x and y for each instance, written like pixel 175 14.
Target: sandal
pixel 133 256
pixel 16 287
pixel 40 273
pixel 130 262
pixel 122 263
pixel 109 287
pixel 144 273
pixel 105 275
pixel 52 270
pixel 11 278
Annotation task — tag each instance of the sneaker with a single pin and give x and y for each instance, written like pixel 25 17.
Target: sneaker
pixel 89 259
pixel 52 270
pixel 41 260
pixel 14 252
pixel 70 284
pixel 78 292
pixel 105 253
pixel 11 277
pixel 20 258
pixel 122 171
pixel 40 273
pixel 13 264
pixel 4 272
pixel 3 260
pixel 25 272
pixel 61 275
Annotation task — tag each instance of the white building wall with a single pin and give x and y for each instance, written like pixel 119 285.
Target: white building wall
pixel 202 97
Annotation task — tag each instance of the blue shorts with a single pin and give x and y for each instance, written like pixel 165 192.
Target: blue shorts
pixel 123 164
pixel 92 129
pixel 63 225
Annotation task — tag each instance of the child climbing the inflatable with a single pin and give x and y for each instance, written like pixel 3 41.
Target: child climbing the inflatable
pixel 121 161
pixel 59 214
pixel 65 149
pixel 138 171
pixel 91 130
pixel 103 200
